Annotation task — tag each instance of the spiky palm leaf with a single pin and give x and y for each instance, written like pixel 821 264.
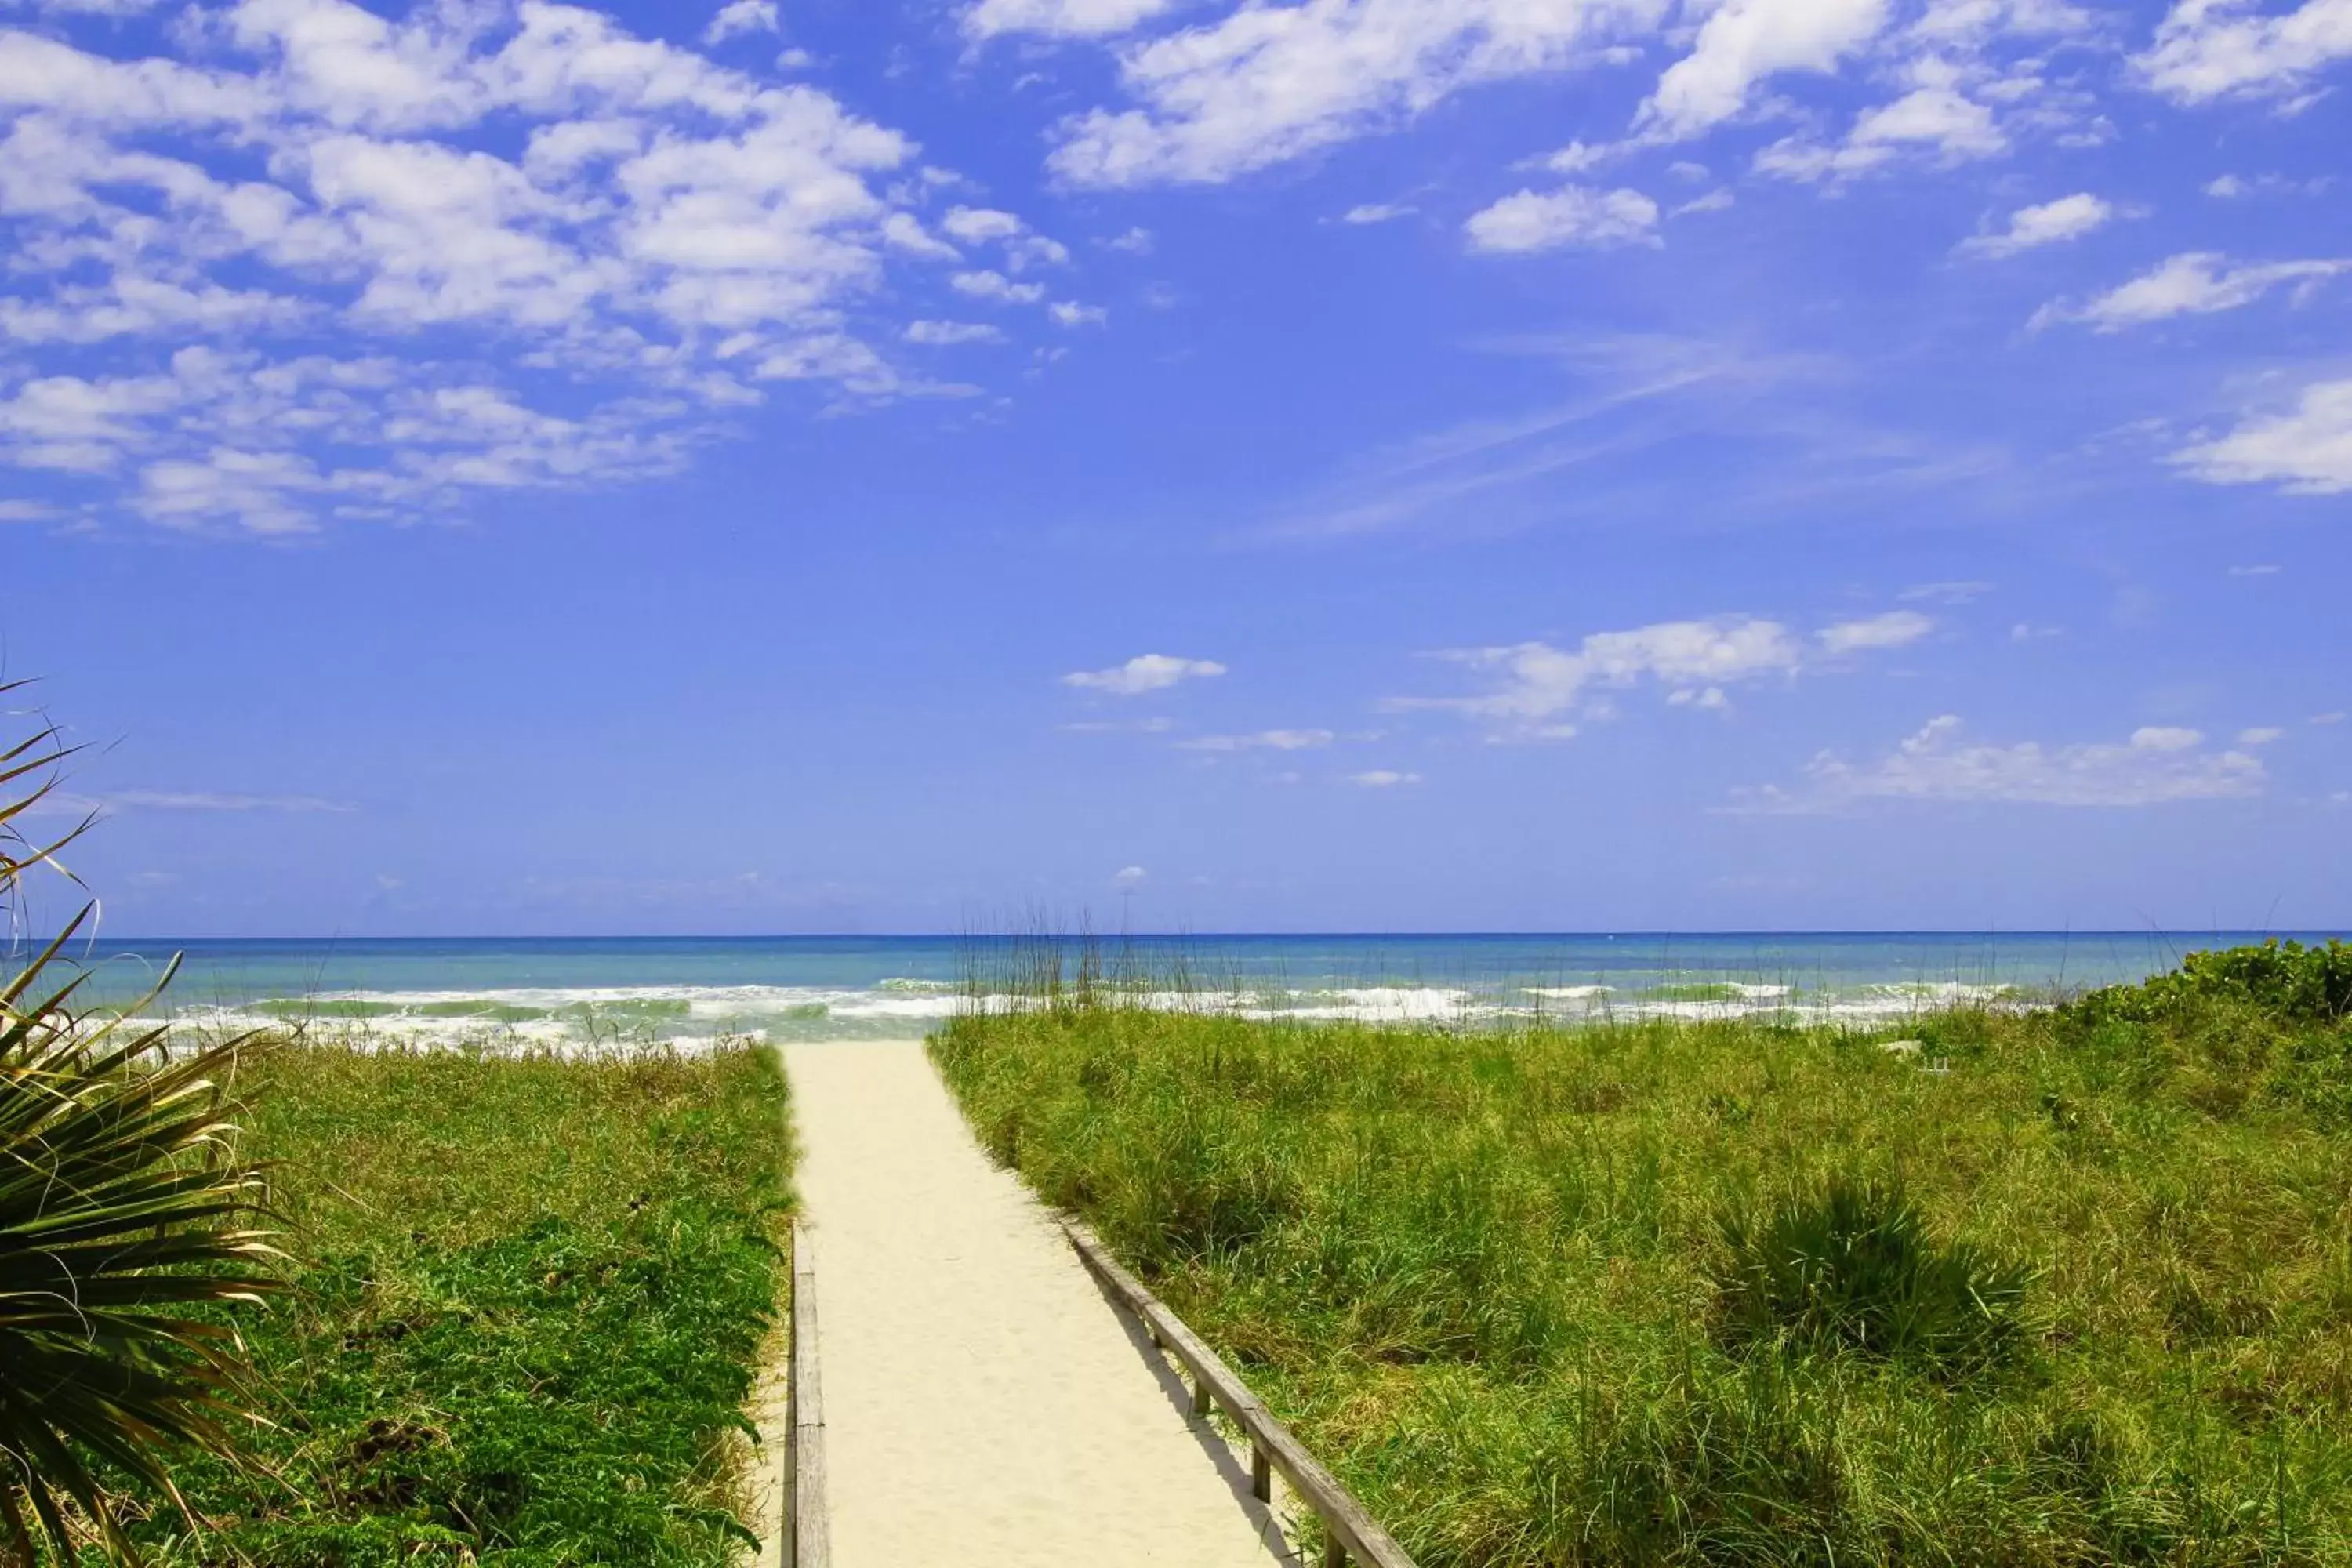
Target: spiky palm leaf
pixel 123 1208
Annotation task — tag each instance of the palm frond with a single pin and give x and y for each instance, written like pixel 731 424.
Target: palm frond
pixel 126 1229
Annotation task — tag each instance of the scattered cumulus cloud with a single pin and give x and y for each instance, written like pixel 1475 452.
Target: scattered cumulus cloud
pixel 739 16
pixel 1573 215
pixel 1896 628
pixel 1070 313
pixel 1376 212
pixel 2157 764
pixel 2305 450
pixel 2195 283
pixel 996 286
pixel 1382 778
pixel 262 285
pixel 2207 49
pixel 2260 735
pixel 1745 42
pixel 943 333
pixel 1938 121
pixel 1538 690
pixel 1145 672
pixel 1268 83
pixel 2068 217
pixel 1060 18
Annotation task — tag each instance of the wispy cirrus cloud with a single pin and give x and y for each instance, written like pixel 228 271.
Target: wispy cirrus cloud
pixel 1261 740
pixel 65 803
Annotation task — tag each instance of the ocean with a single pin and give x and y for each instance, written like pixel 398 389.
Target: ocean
pixel 578 992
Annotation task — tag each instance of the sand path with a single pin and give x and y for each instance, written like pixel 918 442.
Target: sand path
pixel 984 1405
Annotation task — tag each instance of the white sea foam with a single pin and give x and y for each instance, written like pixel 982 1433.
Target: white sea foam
pixel 688 1016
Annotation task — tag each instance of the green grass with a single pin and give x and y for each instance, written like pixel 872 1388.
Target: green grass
pixel 2063 1288
pixel 528 1300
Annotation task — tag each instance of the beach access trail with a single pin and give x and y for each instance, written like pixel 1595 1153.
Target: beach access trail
pixel 984 1404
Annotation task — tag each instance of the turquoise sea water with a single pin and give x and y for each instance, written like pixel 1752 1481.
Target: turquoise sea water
pixel 574 991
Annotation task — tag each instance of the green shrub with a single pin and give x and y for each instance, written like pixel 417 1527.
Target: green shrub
pixel 1851 1264
pixel 2287 981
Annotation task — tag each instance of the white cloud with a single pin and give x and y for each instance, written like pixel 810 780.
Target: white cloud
pixel 2068 217
pixel 1574 215
pixel 1955 592
pixel 2262 735
pixel 1376 212
pixel 2335 718
pixel 2154 766
pixel 1264 740
pixel 1070 313
pixel 1060 18
pixel 1268 83
pixel 1538 690
pixel 653 236
pixel 2235 187
pixel 991 285
pixel 974 225
pixel 1129 876
pixel 1745 41
pixel 1896 628
pixel 1538 685
pixel 1133 242
pixel 941 334
pixel 2206 49
pixel 1382 778
pixel 197 800
pixel 1935 118
pixel 2306 450
pixel 738 16
pixel 27 511
pixel 2194 283
pixel 1145 672
pixel 2262 571
pixel 986 226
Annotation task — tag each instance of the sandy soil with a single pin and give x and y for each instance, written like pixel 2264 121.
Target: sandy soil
pixel 984 1405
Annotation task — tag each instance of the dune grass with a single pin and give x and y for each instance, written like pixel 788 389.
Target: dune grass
pixel 2067 1287
pixel 526 1304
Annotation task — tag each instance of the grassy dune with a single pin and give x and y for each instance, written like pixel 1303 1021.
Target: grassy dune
pixel 2063 1288
pixel 528 1298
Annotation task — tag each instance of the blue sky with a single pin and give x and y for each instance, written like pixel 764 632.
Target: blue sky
pixel 1356 464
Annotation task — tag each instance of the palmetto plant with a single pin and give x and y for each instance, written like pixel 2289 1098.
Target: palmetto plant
pixel 125 1231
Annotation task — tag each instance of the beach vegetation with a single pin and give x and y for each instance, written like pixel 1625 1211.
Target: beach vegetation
pixel 2052 1286
pixel 130 1238
pixel 527 1299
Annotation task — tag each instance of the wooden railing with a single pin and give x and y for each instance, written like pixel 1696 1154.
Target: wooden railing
pixel 1348 1530
pixel 808 1534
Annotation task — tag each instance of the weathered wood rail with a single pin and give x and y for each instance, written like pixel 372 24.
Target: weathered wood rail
pixel 1348 1530
pixel 808 1534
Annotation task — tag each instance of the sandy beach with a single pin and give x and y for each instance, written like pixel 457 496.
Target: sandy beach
pixel 984 1404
